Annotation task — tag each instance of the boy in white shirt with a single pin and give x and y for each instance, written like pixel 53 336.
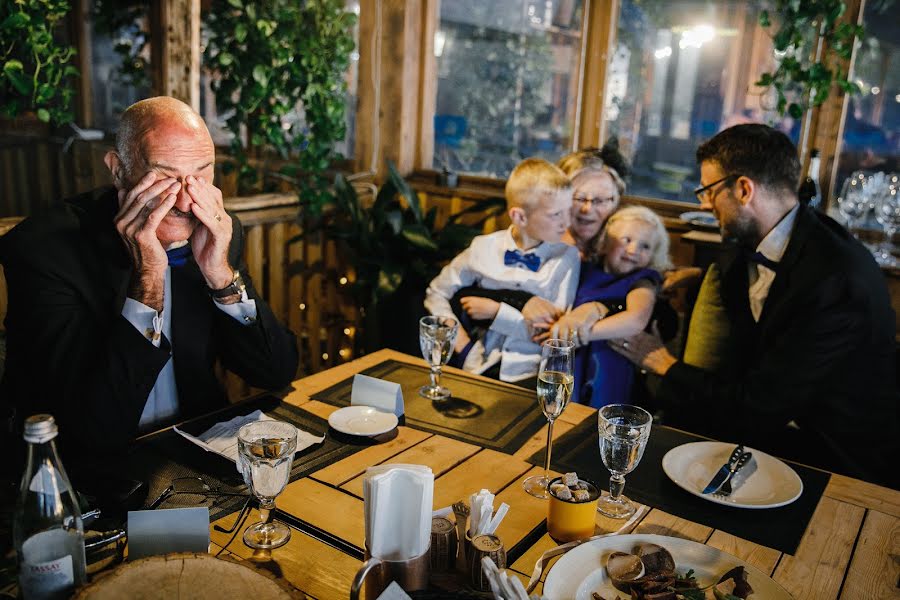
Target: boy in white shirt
pixel 528 256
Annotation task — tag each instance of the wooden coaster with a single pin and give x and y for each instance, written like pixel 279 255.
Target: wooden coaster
pixel 188 575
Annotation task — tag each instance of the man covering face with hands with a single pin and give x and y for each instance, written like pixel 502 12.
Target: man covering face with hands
pixel 123 299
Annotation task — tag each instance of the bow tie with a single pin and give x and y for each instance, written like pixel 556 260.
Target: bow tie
pixel 178 256
pixel 531 260
pixel 761 259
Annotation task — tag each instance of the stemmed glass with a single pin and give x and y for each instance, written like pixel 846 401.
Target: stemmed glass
pixel 624 431
pixel 852 202
pixel 887 213
pixel 437 335
pixel 554 388
pixel 265 455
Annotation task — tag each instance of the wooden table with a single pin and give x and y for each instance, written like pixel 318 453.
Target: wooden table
pixel 851 548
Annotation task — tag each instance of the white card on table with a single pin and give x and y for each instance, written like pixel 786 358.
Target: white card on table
pixel 377 393
pixel 153 532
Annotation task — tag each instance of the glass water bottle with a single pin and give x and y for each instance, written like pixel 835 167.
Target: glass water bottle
pixel 47 528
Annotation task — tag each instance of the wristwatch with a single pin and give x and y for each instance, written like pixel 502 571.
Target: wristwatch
pixel 235 288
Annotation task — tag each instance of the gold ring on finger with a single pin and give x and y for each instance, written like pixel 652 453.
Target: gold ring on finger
pixel 218 217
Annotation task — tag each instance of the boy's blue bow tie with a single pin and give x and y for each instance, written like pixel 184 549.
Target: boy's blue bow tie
pixel 531 260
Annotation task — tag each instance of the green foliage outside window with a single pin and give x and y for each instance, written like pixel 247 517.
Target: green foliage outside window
pixel 37 75
pixel 269 58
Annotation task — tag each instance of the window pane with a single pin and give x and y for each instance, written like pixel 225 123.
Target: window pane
pixel 508 73
pixel 681 72
pixel 871 139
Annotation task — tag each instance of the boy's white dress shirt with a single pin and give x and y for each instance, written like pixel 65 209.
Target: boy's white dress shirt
pixel 482 264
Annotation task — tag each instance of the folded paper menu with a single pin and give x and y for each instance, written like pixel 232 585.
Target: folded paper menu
pixel 398 501
pixel 221 438
pixel 377 393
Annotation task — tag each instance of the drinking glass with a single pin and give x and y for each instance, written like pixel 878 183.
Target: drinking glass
pixel 624 430
pixel 887 213
pixel 437 335
pixel 852 202
pixel 265 454
pixel 554 388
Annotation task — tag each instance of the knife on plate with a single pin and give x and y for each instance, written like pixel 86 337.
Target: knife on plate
pixel 724 471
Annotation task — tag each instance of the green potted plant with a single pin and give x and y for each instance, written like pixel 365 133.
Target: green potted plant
pixel 811 44
pixel 394 249
pixel 37 74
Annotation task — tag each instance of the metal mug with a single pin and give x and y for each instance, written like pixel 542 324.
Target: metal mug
pixel 411 575
pixel 570 520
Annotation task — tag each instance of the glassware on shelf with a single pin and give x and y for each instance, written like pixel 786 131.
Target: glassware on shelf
pixel 624 431
pixel 265 456
pixel 887 213
pixel 437 335
pixel 853 204
pixel 554 389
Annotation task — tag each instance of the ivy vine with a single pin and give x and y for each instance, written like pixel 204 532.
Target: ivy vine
pixel 37 75
pixel 803 80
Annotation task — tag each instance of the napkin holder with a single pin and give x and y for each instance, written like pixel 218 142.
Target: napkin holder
pixel 411 575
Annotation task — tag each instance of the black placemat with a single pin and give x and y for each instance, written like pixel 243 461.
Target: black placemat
pixel 162 457
pixel 483 413
pixel 779 528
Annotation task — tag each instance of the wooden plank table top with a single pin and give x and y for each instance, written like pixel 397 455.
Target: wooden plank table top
pixel 851 548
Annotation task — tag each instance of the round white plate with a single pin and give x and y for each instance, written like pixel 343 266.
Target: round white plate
pixel 699 218
pixel 362 420
pixel 692 466
pixel 582 570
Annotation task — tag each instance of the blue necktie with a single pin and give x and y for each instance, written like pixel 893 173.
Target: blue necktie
pixel 531 260
pixel 178 256
pixel 761 259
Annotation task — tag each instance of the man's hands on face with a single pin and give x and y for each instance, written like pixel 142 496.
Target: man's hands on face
pixel 141 210
pixel 212 237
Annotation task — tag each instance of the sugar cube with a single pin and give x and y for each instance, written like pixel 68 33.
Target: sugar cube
pixel 570 479
pixel 581 495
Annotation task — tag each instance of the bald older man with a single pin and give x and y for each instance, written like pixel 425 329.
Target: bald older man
pixel 121 300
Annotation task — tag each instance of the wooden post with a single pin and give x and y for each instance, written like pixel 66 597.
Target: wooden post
pixel 387 123
pixel 176 29
pixel 602 20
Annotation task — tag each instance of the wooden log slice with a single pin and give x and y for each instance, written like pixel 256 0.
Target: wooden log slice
pixel 188 576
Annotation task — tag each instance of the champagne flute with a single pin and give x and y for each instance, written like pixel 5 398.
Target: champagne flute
pixel 265 455
pixel 554 388
pixel 437 335
pixel 624 431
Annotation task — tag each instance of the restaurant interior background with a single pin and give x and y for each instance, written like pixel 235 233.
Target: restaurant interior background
pixel 455 93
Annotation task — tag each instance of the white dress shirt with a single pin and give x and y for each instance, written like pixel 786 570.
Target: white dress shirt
pixel 509 339
pixel 772 247
pixel 162 403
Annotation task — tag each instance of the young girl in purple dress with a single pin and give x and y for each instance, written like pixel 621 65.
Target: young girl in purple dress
pixel 632 252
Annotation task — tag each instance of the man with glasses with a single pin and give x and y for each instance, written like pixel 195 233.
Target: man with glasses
pixel 807 368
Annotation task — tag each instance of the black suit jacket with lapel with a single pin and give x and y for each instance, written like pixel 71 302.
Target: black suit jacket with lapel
pixel 71 352
pixel 822 355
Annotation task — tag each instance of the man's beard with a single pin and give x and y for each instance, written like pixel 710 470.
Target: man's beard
pixel 743 229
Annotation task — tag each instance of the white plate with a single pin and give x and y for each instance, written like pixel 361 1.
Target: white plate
pixel 362 420
pixel 692 466
pixel 582 570
pixel 699 218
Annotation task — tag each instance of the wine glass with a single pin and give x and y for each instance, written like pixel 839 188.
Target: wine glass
pixel 887 213
pixel 852 202
pixel 554 388
pixel 624 430
pixel 437 335
pixel 265 455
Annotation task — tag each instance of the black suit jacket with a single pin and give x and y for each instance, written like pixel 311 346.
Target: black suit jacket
pixel 822 355
pixel 71 352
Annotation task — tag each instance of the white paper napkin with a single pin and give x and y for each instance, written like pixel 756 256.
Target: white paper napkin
pixel 398 501
pixel 377 393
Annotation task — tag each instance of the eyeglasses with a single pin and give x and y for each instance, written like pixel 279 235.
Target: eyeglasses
pixel 700 192
pixel 195 486
pixel 594 202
